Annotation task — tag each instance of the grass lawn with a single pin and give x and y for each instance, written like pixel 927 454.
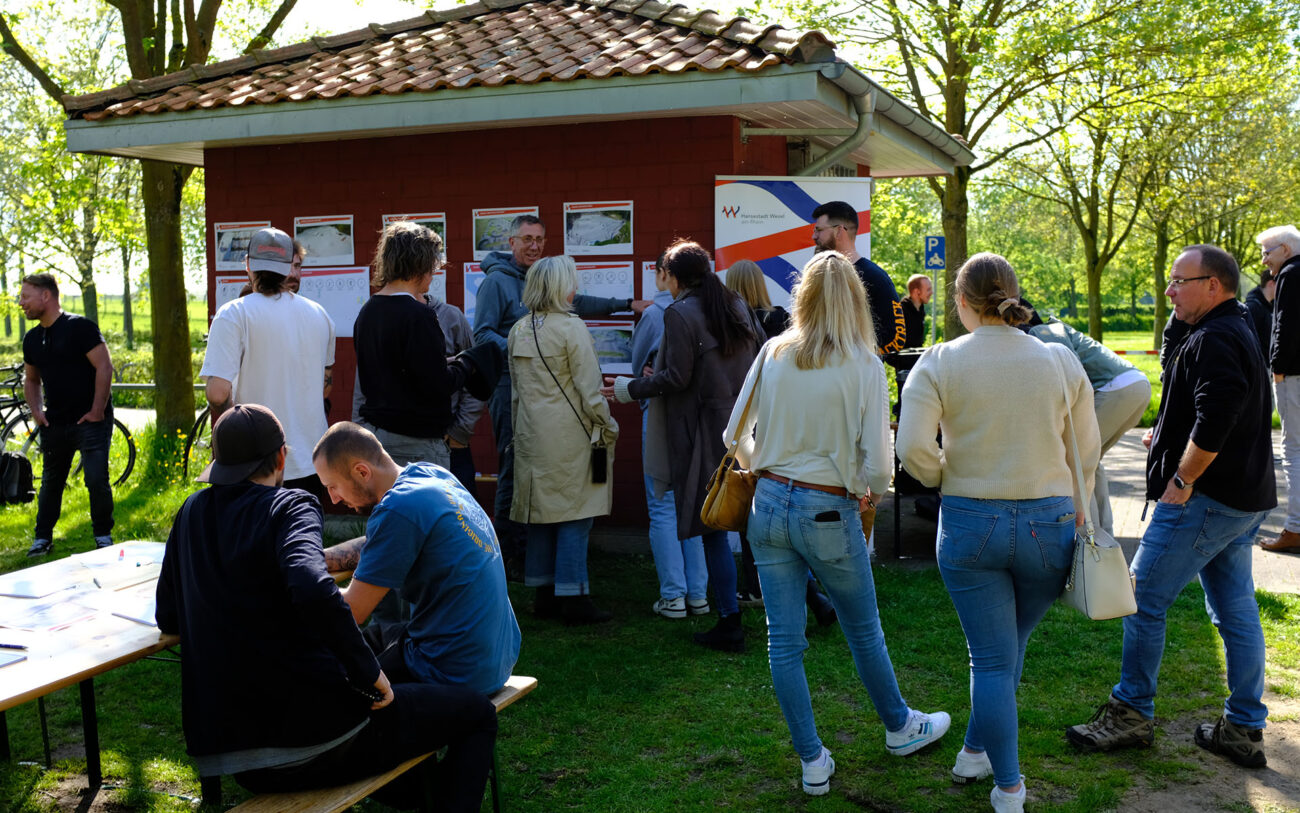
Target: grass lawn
pixel 631 716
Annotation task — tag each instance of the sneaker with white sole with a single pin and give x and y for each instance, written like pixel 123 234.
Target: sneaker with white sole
pixel 671 607
pixel 1004 802
pixel 921 730
pixel 971 767
pixel 41 547
pixel 817 774
pixel 105 541
pixel 698 606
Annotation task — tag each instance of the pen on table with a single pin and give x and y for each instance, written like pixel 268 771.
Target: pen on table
pixel 12 646
pixel 97 584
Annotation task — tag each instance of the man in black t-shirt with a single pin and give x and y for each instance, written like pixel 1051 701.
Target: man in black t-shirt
pixel 65 356
pixel 835 228
pixel 919 291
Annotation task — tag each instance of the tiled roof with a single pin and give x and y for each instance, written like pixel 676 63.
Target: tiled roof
pixel 489 43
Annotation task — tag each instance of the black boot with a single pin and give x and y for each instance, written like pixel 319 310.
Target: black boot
pixel 545 604
pixel 579 611
pixel 726 636
pixel 820 606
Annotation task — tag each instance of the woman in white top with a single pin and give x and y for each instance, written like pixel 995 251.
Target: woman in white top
pixel 818 433
pixel 1006 530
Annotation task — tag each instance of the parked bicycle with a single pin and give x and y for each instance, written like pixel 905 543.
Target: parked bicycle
pixel 198 446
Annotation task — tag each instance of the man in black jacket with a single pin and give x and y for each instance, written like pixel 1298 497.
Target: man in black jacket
pixel 1280 250
pixel 1210 470
pixel 835 228
pixel 278 688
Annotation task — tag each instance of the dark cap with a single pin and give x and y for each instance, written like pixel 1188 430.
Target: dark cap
pixel 244 436
pixel 271 250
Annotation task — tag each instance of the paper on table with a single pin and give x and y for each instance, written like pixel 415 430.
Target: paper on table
pixel 139 604
pixel 44 615
pixel 124 565
pixel 23 584
pixel 10 658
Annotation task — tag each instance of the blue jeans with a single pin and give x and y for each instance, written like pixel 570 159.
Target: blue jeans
pixel 503 429
pixel 1004 562
pixel 1206 537
pixel 680 563
pixel 790 530
pixel 557 554
pixel 59 442
pixel 722 571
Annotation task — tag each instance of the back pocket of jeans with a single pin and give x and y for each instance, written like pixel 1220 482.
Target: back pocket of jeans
pixel 827 540
pixel 1055 541
pixel 964 534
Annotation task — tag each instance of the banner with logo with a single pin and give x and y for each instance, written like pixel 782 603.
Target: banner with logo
pixel 769 220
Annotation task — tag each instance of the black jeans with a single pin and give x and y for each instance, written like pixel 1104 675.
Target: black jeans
pixel 59 442
pixel 421 718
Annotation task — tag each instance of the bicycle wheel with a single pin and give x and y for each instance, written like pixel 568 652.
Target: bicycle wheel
pixel 198 446
pixel 121 454
pixel 20 435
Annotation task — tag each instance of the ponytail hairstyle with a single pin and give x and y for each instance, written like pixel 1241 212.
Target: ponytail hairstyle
pixel 991 289
pixel 688 262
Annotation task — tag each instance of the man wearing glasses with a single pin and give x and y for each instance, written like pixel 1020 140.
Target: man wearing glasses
pixel 835 228
pixel 1210 471
pixel 499 304
pixel 1280 250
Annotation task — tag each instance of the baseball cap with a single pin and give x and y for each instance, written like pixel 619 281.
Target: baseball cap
pixel 271 250
pixel 244 436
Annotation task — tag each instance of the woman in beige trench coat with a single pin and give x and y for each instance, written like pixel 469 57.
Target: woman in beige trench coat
pixel 559 418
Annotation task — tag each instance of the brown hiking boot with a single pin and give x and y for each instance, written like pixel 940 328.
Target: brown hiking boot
pixel 1239 744
pixel 1286 542
pixel 1115 725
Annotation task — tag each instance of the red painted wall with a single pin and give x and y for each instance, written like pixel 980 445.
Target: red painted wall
pixel 666 166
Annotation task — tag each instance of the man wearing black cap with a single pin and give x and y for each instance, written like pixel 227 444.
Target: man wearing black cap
pixel 276 348
pixel 278 689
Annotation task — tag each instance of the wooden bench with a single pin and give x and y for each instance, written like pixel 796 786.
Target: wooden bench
pixel 327 800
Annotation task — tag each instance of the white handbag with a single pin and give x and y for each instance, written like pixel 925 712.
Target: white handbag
pixel 1100 584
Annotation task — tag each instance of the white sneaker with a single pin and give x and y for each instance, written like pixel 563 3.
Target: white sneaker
pixel 1004 802
pixel 671 607
pixel 698 606
pixel 971 767
pixel 921 730
pixel 817 774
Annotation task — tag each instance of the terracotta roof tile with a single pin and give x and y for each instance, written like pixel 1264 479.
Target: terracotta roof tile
pixel 489 43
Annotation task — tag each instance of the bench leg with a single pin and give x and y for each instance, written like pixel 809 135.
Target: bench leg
pixel 210 790
pixel 90 728
pixel 496 786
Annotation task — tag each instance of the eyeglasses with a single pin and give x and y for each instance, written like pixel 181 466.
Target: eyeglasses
pixel 1267 251
pixel 529 240
pixel 820 229
pixel 1178 283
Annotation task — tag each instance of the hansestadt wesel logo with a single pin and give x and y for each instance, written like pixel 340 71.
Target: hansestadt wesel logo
pixel 731 211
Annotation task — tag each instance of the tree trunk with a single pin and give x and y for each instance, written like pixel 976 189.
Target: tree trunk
pixel 1094 272
pixel 90 299
pixel 22 318
pixel 127 327
pixel 173 378
pixel 956 206
pixel 1159 262
pixel 4 291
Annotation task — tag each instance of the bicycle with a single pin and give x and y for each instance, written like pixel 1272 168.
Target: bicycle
pixel 22 434
pixel 198 446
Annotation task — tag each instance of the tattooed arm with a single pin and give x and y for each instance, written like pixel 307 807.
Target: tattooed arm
pixel 345 555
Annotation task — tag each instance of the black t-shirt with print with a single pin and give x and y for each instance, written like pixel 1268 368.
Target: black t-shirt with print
pixel 59 353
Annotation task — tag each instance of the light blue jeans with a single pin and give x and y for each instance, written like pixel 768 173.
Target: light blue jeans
pixel 1004 562
pixel 1206 537
pixel 679 562
pixel 791 530
pixel 1287 393
pixel 557 554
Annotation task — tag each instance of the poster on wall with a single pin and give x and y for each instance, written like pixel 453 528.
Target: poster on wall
pixel 492 228
pixel 328 240
pixel 340 291
pixel 231 240
pixel 430 220
pixel 612 280
pixel 598 227
pixel 769 220
pixel 613 340
pixel 473 279
pixel 438 288
pixel 648 289
pixel 228 288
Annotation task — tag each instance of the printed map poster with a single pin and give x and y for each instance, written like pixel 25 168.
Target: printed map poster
pixel 473 278
pixel 613 280
pixel 648 289
pixel 769 220
pixel 438 288
pixel 601 227
pixel 228 288
pixel 613 345
pixel 430 220
pixel 340 291
pixel 231 241
pixel 328 241
pixel 492 228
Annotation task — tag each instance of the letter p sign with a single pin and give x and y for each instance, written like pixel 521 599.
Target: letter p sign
pixel 934 253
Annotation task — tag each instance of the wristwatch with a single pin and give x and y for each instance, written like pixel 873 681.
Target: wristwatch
pixel 1180 483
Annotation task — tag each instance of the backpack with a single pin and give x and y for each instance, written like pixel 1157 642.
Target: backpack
pixel 16 483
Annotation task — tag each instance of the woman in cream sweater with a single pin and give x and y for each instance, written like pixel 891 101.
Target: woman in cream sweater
pixel 818 433
pixel 1009 495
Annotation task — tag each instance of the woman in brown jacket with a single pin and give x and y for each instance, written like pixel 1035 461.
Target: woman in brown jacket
pixel 710 339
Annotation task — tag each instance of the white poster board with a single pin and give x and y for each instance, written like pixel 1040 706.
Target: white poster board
pixel 231 243
pixel 328 240
pixel 228 288
pixel 613 280
pixel 492 228
pixel 613 339
pixel 341 291
pixel 769 220
pixel 473 278
pixel 598 227
pixel 438 288
pixel 430 220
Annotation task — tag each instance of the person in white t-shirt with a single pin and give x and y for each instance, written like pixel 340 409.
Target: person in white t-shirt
pixel 275 348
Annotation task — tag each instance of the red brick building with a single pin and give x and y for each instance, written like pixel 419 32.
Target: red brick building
pixel 510 103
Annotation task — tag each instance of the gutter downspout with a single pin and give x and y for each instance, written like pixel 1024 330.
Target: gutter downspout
pixel 865 105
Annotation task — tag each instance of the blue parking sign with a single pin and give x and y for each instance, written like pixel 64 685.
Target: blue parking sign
pixel 934 255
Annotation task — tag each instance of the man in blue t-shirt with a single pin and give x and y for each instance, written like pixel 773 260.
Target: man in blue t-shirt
pixel 429 539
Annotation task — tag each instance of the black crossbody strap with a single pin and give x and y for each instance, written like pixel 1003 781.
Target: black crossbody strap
pixel 586 432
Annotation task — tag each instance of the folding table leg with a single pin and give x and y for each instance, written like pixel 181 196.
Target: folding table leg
pixel 4 737
pixel 45 729
pixel 496 785
pixel 210 790
pixel 90 729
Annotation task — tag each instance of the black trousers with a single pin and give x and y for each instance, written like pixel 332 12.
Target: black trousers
pixel 59 442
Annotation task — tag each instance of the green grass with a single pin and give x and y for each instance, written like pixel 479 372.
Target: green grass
pixel 632 716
